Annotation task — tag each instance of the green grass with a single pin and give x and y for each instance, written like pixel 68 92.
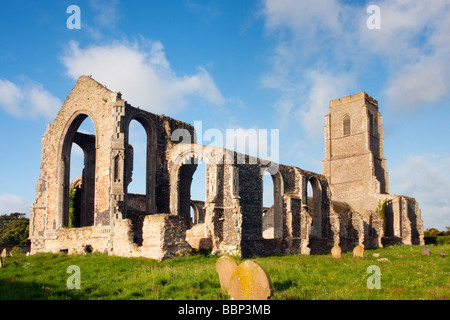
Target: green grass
pixel 407 275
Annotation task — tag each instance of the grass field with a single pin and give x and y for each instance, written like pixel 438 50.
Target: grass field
pixel 407 275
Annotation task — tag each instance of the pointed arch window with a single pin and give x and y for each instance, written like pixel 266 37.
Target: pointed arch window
pixel 346 125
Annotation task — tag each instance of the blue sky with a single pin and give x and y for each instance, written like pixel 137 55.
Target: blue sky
pixel 232 64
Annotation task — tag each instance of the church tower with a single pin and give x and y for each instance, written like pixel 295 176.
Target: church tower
pixel 354 161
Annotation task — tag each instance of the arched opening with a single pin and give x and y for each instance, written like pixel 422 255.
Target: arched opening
pixel 314 203
pixel 77 177
pixel 389 220
pixel 268 206
pixel 184 188
pixel 139 173
pixel 346 125
pixel 140 166
pixel 272 209
pixel 136 152
pixel 198 194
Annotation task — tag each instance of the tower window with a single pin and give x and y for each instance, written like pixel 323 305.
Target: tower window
pixel 346 125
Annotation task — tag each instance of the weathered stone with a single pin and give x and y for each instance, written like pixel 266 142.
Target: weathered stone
pixel 376 255
pixel 1 262
pixel 225 266
pixel 383 259
pixel 426 252
pixel 197 238
pixel 250 282
pixel 230 219
pixel 336 252
pixel 4 253
pixel 358 252
pixel 355 162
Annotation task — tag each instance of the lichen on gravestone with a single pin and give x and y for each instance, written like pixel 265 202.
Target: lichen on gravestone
pixel 250 282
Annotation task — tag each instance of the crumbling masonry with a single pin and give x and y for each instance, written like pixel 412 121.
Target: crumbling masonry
pixel 341 211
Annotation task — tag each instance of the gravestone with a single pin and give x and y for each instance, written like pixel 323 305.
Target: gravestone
pixel 358 252
pixel 443 254
pixel 250 282
pixel 1 262
pixel 426 252
pixel 4 253
pixel 336 252
pixel 225 266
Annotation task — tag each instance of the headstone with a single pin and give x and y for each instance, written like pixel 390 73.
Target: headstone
pixel 376 255
pixel 225 266
pixel 443 254
pixel 383 259
pixel 358 252
pixel 336 252
pixel 1 262
pixel 4 253
pixel 250 282
pixel 426 252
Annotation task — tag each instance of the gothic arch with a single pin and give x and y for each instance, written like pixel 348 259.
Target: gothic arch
pixel 346 125
pixel 150 171
pixel 278 205
pixel 70 135
pixel 316 207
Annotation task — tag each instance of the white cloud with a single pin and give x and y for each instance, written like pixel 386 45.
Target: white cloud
pixel 10 97
pixel 142 73
pixel 305 18
pixel 10 203
pixel 28 99
pixel 426 178
pixel 415 43
pixel 416 85
pixel 329 39
pixel 323 86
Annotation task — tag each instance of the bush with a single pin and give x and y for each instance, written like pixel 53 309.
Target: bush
pixel 438 240
pixel 442 240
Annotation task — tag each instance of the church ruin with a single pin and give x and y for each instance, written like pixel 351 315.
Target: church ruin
pixel 350 202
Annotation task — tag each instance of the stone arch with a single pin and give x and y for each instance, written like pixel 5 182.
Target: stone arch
pixel 88 144
pixel 150 172
pixel 184 163
pixel 274 215
pixel 199 215
pixel 315 207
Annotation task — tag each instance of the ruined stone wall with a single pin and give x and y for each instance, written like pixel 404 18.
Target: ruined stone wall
pixel 340 211
pixel 163 237
pixel 48 213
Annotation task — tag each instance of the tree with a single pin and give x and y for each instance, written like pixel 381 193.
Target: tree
pixel 447 233
pixel 14 229
pixel 432 232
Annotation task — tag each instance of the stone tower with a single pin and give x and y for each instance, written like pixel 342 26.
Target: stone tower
pixel 354 161
pixel 355 168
